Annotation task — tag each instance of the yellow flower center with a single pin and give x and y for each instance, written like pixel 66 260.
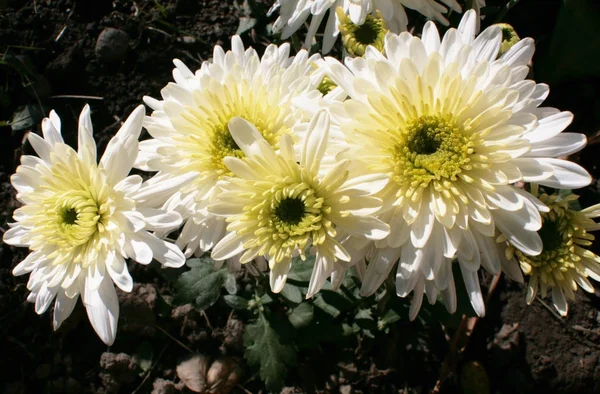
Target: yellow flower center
pixel 77 216
pixel 558 253
pixel 430 148
pixel 203 139
pixel 284 218
pixel 356 38
pixel 289 212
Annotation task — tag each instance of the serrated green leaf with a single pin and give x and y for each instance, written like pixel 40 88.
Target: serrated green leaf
pixel 364 314
pixel 266 299
pixel 236 302
pixel 26 117
pixel 291 293
pixel 325 307
pixel 230 284
pixel 200 285
pixel 265 349
pixel 333 303
pixel 390 317
pixel 301 270
pixel 302 315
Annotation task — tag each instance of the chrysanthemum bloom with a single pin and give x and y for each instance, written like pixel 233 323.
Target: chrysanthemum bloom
pixel 81 220
pixel 564 262
pixel 293 14
pixel 279 206
pixel 190 131
pixel 452 126
pixel 356 38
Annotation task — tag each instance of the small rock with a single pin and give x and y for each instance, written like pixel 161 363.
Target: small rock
pixel 223 374
pixel 187 40
pixel 163 386
pixel 118 369
pixel 234 334
pixel 507 338
pixel 112 45
pixel 192 372
pixel 346 389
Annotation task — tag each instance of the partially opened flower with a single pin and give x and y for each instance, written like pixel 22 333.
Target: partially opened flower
pixel 82 219
pixel 453 126
pixel 278 205
pixel 356 38
pixel 565 262
pixel 294 13
pixel 190 131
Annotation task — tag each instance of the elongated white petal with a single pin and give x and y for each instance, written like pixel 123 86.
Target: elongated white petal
pixel 102 307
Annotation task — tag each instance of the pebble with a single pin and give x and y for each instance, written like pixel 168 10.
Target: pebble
pixel 112 45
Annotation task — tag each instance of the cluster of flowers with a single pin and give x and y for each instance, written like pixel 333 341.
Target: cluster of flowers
pixel 410 157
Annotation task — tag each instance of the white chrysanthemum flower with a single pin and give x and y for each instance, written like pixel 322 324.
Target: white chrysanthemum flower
pixel 190 131
pixel 81 220
pixel 279 206
pixel 452 126
pixel 293 14
pixel 565 262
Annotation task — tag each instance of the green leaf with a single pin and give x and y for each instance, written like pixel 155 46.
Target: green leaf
pixel 236 302
pixel 246 23
pixel 200 285
pixel 26 117
pixel 302 315
pixel 292 293
pixel 390 317
pixel 265 349
pixel 230 285
pixel 301 270
pixel 333 302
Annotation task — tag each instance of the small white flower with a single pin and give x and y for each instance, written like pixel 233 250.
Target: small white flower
pixel 81 220
pixel 453 126
pixel 190 132
pixel 294 13
pixel 279 206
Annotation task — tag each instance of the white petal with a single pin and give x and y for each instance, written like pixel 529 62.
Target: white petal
pixel 563 144
pixel 315 142
pixel 16 236
pixel 246 136
pixel 231 245
pixel 512 225
pixel 122 149
pixel 415 304
pixel 278 275
pixel 164 252
pixel 117 269
pixel 566 175
pixel 474 290
pixel 86 144
pixel 158 219
pixel 44 299
pixel 62 308
pixel 378 269
pixel 102 307
pixel 559 300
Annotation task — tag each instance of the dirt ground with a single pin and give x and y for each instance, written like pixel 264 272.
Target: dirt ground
pixel 523 349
